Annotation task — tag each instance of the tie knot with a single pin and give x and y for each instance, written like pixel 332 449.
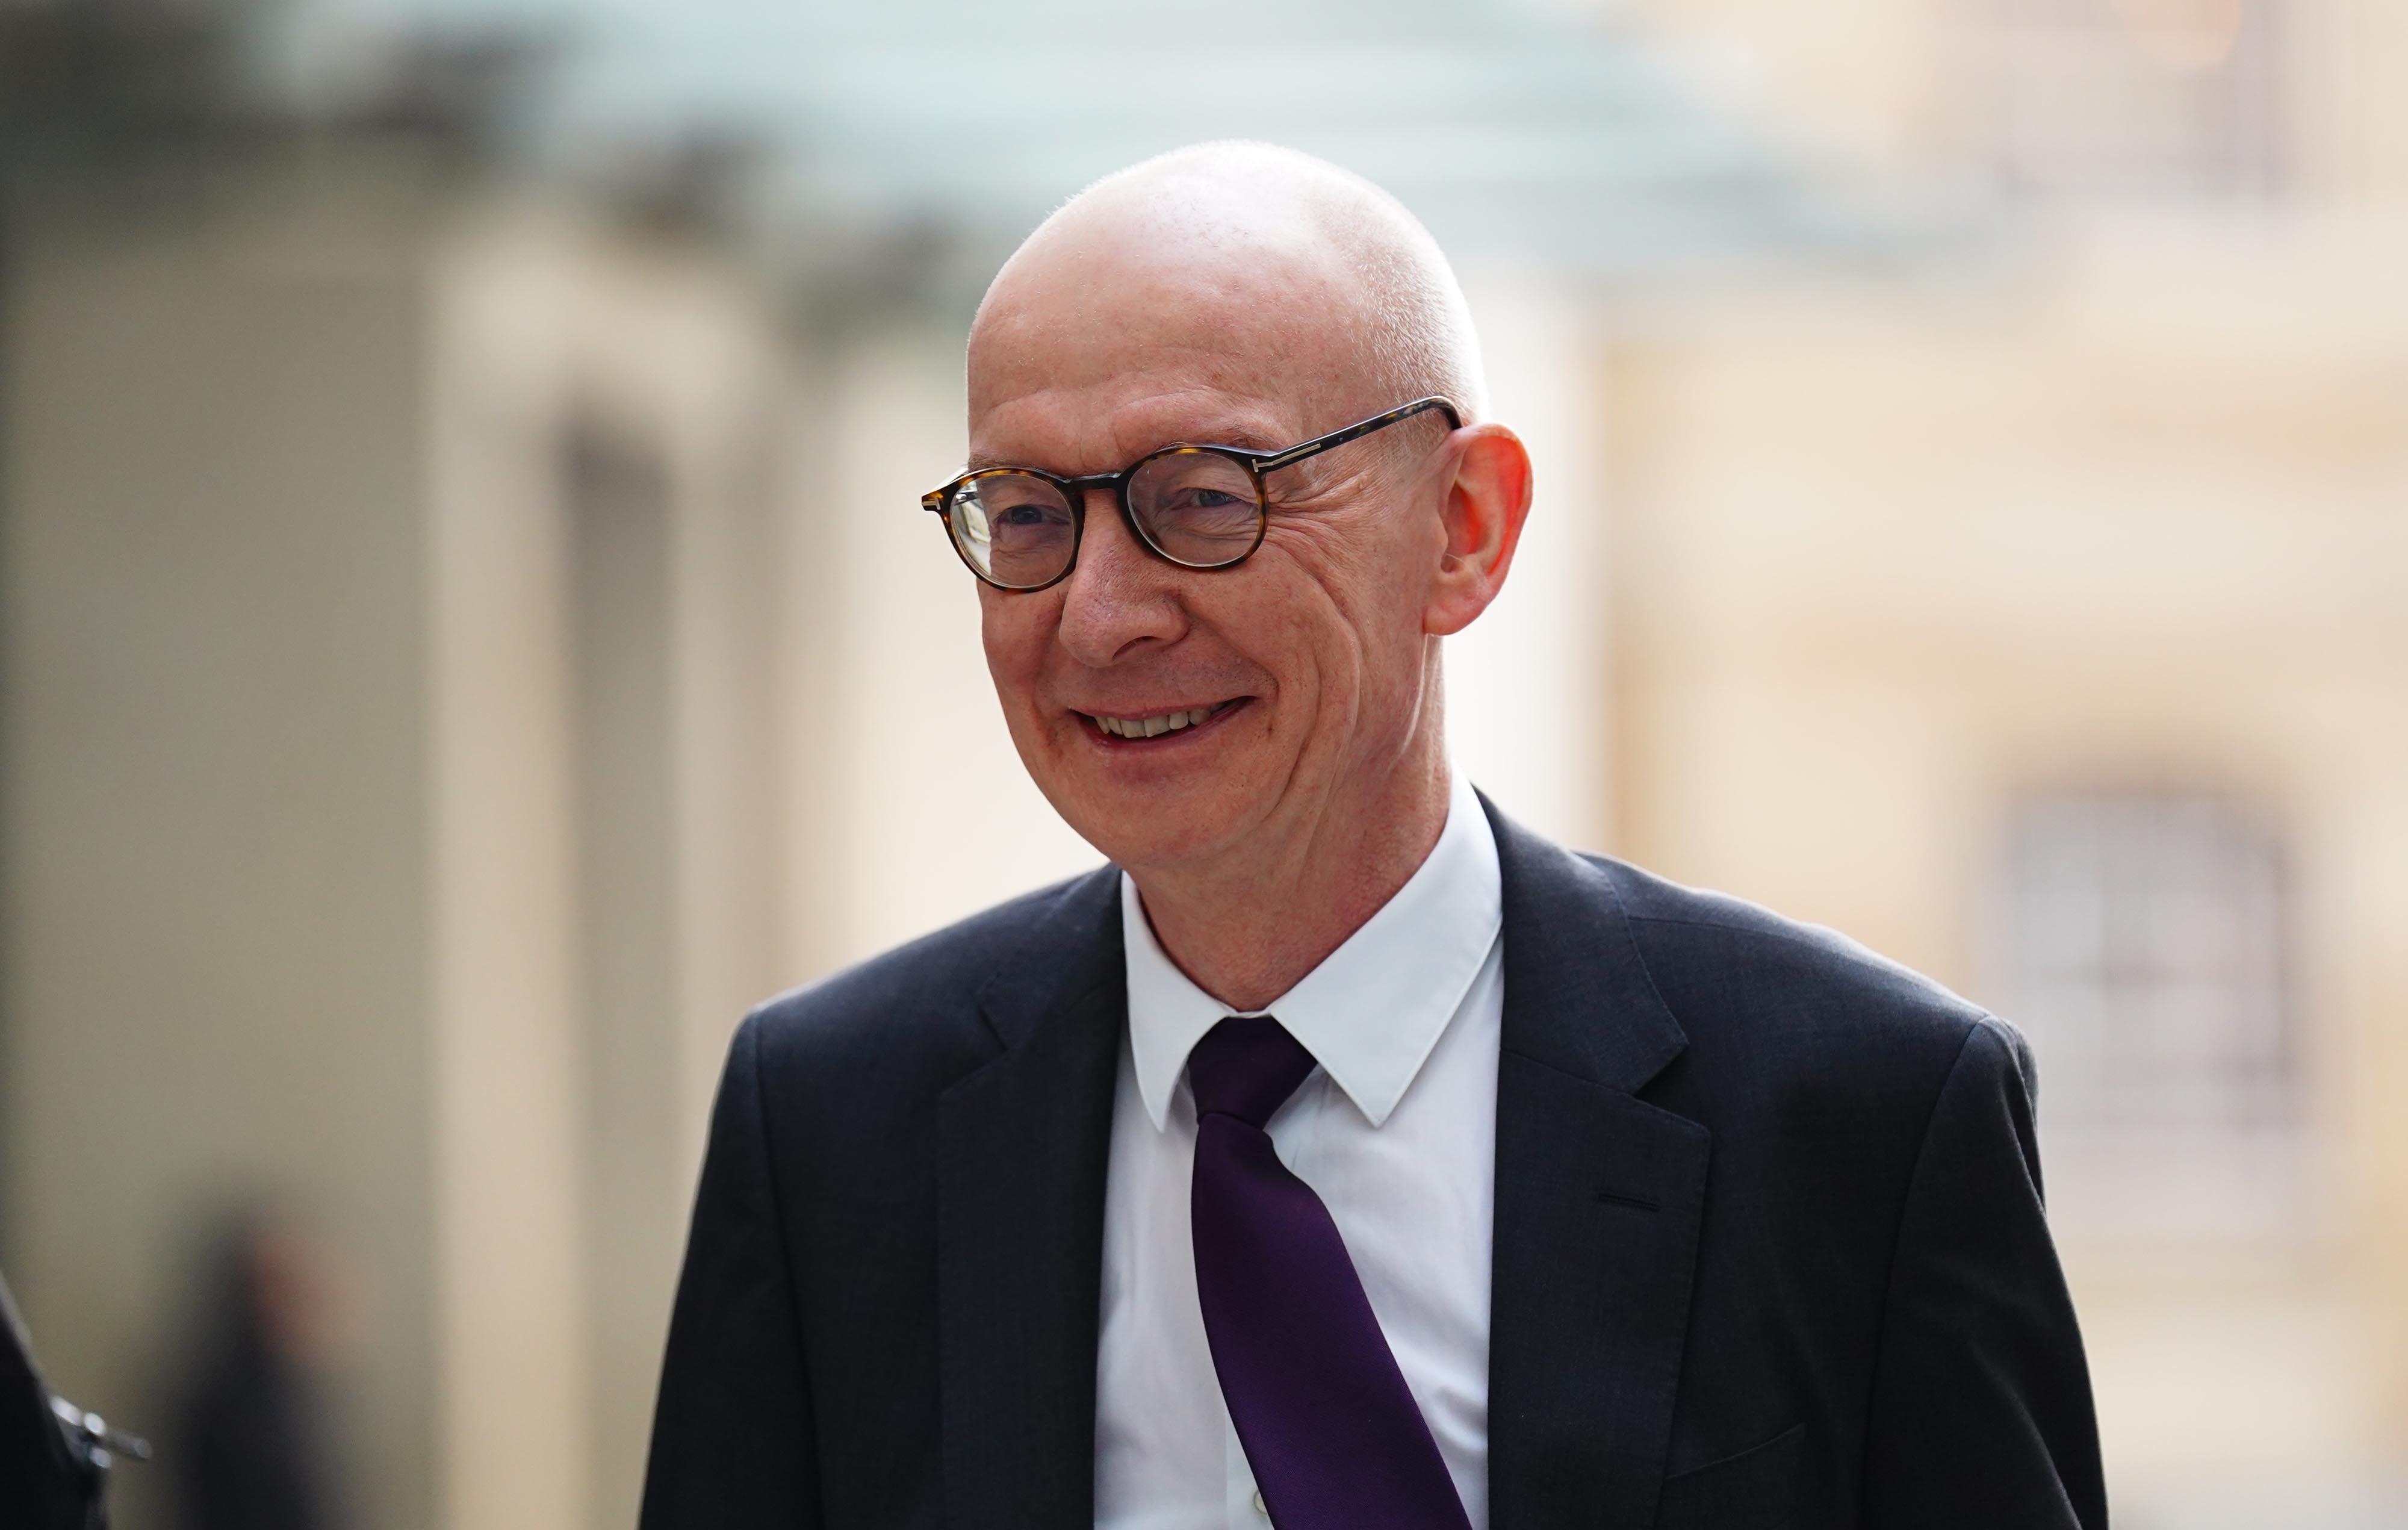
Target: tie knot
pixel 1246 1066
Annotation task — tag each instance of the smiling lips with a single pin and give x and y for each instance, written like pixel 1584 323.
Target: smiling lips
pixel 1160 723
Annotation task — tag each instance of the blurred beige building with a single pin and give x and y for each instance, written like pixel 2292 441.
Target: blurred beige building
pixel 390 784
pixel 461 643
pixel 2046 628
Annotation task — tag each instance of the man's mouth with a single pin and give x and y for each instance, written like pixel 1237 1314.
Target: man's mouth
pixel 1154 724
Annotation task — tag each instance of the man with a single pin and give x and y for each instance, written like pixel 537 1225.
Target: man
pixel 1342 1154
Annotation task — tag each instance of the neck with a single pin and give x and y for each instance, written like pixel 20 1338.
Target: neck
pixel 1248 928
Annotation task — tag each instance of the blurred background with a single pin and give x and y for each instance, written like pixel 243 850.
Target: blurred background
pixel 466 632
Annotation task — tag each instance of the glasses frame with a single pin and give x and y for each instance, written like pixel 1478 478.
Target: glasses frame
pixel 940 500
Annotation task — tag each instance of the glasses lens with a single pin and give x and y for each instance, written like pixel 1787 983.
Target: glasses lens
pixel 1014 527
pixel 1198 508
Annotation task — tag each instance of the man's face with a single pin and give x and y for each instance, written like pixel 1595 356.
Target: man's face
pixel 1309 663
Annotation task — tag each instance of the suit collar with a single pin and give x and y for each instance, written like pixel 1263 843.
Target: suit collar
pixel 1071 948
pixel 1569 952
pixel 1599 1198
pixel 1023 1145
pixel 1578 995
pixel 1373 1009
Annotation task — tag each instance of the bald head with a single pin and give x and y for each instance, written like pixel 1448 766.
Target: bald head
pixel 1264 271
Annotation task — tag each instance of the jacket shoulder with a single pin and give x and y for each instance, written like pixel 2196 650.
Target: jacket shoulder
pixel 1733 971
pixel 917 986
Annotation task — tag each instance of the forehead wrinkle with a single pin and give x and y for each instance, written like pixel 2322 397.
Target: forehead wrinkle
pixel 1229 337
pixel 1195 414
pixel 1217 361
pixel 1218 418
pixel 1210 393
pixel 1281 323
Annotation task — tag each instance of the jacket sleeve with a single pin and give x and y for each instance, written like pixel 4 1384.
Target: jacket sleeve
pixel 733 1436
pixel 1981 1410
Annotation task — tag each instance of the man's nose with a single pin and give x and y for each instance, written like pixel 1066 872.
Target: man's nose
pixel 1119 596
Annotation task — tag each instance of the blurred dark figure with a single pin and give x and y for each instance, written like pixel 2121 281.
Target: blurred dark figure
pixel 255 1449
pixel 54 1456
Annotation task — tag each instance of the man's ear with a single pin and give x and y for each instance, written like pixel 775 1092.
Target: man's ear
pixel 1485 504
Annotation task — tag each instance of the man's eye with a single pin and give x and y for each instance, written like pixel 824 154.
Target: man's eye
pixel 1023 515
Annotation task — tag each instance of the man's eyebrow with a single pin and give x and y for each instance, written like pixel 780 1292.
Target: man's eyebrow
pixel 1246 440
pixel 1238 437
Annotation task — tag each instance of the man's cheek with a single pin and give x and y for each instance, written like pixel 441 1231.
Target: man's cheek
pixel 1013 661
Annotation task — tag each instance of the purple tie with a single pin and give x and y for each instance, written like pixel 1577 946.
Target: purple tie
pixel 1329 1427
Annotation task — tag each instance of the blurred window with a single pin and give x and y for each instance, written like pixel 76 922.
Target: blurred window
pixel 2125 98
pixel 2142 945
pixel 2141 940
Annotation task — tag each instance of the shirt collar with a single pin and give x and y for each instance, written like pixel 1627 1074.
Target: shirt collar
pixel 1372 1010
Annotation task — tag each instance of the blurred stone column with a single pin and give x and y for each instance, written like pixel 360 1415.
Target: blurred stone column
pixel 390 803
pixel 1529 684
pixel 915 811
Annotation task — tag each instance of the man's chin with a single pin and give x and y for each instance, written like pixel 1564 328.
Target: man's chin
pixel 1148 835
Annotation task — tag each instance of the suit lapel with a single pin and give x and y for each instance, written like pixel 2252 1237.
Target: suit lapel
pixel 1023 1147
pixel 1599 1199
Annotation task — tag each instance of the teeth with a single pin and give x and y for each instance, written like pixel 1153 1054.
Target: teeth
pixel 1147 728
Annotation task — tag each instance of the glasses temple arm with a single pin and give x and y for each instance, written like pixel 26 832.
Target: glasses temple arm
pixel 1355 432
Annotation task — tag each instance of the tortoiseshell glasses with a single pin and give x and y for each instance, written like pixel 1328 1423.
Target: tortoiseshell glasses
pixel 1200 507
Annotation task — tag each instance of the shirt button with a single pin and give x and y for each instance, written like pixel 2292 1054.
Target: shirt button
pixel 1260 1507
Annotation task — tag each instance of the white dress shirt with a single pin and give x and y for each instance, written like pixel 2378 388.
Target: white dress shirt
pixel 1395 1132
